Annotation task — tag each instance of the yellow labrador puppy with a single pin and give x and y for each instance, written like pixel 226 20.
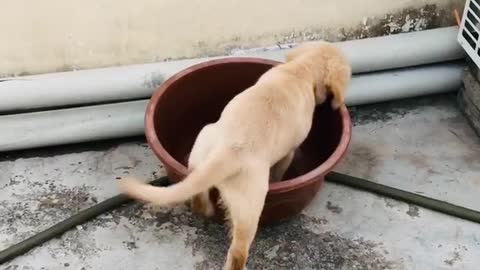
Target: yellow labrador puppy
pixel 254 138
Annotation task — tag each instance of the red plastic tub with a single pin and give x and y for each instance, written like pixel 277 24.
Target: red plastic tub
pixel 196 96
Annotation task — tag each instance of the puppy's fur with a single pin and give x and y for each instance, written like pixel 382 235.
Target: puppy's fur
pixel 254 139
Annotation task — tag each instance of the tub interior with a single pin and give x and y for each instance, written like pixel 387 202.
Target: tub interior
pixel 198 98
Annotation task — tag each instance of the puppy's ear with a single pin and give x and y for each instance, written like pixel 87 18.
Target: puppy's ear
pixel 337 82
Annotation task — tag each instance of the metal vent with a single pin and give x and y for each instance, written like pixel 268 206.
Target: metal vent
pixel 468 36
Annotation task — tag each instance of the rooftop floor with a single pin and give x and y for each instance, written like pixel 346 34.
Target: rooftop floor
pixel 421 145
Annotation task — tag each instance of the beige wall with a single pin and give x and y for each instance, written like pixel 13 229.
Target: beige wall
pixel 56 35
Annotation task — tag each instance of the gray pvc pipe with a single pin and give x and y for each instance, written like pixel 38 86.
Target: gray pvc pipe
pixel 390 52
pixel 139 81
pixel 30 130
pixel 403 50
pixel 404 83
pixel 57 127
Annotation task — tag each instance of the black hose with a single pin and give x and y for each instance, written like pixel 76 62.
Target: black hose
pixel 408 197
pixel 358 183
pixel 69 223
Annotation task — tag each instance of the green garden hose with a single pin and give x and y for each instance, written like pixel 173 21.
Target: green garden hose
pixel 405 196
pixel 358 183
pixel 69 223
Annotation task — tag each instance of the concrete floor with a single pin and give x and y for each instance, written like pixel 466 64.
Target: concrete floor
pixel 422 145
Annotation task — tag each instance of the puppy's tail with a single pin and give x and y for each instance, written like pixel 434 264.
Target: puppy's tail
pixel 214 170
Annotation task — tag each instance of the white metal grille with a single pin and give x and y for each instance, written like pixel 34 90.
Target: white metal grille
pixel 468 36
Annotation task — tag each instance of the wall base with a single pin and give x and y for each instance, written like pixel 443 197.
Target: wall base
pixel 469 97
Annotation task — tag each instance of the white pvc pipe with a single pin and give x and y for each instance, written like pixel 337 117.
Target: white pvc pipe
pixel 139 81
pixel 30 130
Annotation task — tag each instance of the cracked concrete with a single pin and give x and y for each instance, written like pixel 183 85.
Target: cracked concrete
pixel 418 145
pixel 424 146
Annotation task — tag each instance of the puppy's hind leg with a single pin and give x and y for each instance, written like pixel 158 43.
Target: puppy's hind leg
pixel 280 168
pixel 244 198
pixel 201 203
